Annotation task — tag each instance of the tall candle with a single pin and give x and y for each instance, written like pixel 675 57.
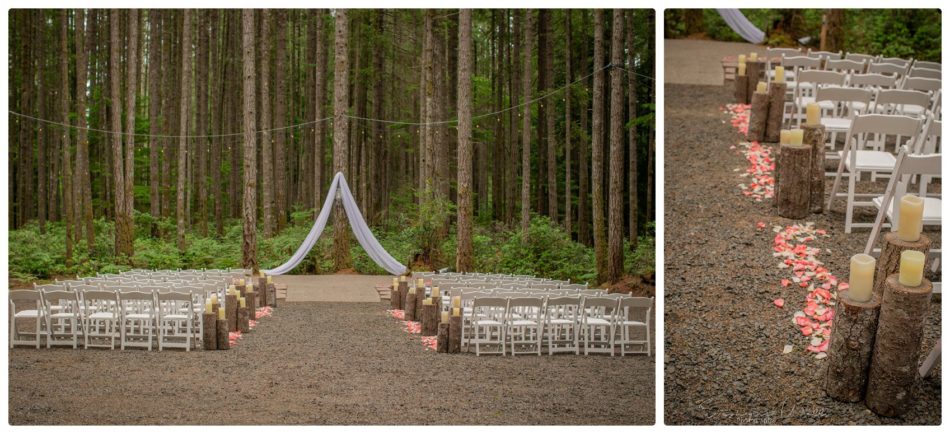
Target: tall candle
pixel 456 311
pixel 445 316
pixel 812 114
pixel 784 136
pixel 214 298
pixel 796 136
pixel 242 301
pixel 780 74
pixel 760 88
pixel 240 281
pixel 912 268
pixel 221 314
pixel 753 56
pixel 742 69
pixel 861 279
pixel 742 58
pixel 230 288
pixel 910 221
pixel 456 301
pixel 270 280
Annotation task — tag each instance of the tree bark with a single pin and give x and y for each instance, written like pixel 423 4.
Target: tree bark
pixel 341 242
pixel 814 136
pixel 550 109
pixel 68 211
pixel 758 115
pixel 201 123
pixel 465 253
pixel 776 108
pixel 84 178
pixel 185 109
pixel 634 211
pixel 615 231
pixel 694 21
pixel 568 166
pixel 794 169
pixel 267 140
pixel 280 154
pixel 514 90
pixel 154 115
pixel 849 350
pixel 123 240
pixel 320 98
pixel 526 125
pixel 832 30
pixel 249 246
pixel 583 153
pixel 597 154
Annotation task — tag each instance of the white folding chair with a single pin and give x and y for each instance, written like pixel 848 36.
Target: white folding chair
pixel 809 82
pixel 906 168
pixel 926 64
pixel 922 84
pixel 175 327
pixel 855 159
pixel 524 324
pixel 598 323
pixel 860 57
pixel 846 66
pixel 488 321
pixel 136 319
pixel 562 316
pixel 924 73
pixel 845 103
pixel 101 316
pixel 827 55
pixel 894 61
pixel 31 307
pixel 634 314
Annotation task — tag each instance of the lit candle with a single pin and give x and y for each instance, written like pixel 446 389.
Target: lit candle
pixel 760 88
pixel 456 311
pixel 243 302
pixel 214 298
pixel 221 314
pixel 395 282
pixel 796 136
pixel 427 301
pixel 420 283
pixel 910 221
pixel 456 301
pixel 269 280
pixel 861 279
pixel 445 316
pixel 912 268
pixel 753 56
pixel 742 58
pixel 784 136
pixel 209 306
pixel 402 278
pixel 780 74
pixel 412 290
pixel 742 69
pixel 812 114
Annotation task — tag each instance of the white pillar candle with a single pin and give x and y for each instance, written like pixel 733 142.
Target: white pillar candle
pixel 742 58
pixel 420 283
pixel 912 268
pixel 796 136
pixel 753 56
pixel 395 282
pixel 435 292
pixel 812 114
pixel 861 279
pixel 784 136
pixel 456 311
pixel 402 278
pixel 910 221
pixel 742 69
pixel 780 74
pixel 760 88
pixel 445 316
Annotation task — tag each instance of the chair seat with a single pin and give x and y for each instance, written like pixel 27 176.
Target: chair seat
pixel 596 321
pixel 932 214
pixel 138 316
pixel 523 322
pixel 175 317
pixel 836 124
pixel 486 322
pixel 560 321
pixel 64 315
pixel 102 315
pixel 871 160
pixel 633 323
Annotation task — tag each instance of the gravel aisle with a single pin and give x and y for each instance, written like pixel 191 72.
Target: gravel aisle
pixel 325 363
pixel 724 337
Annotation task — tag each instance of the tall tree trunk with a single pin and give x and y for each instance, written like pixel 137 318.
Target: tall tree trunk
pixel 155 118
pixel 201 123
pixel 341 89
pixel 539 188
pixel 280 153
pixel 597 154
pixel 832 30
pixel 218 113
pixel 464 256
pixel 694 21
pixel 634 211
pixel 615 240
pixel 550 106
pixel 319 98
pixel 499 149
pixel 526 124
pixel 185 95
pixel 514 89
pixel 64 104
pixel 133 59
pixel 267 139
pixel 25 155
pixel 428 61
pixel 249 246
pixel 84 178
pixel 42 135
pixel 123 243
pixel 568 212
pixel 583 153
pixel 378 137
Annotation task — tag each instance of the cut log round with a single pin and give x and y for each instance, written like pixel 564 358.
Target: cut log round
pixel 757 116
pixel 742 89
pixel 794 169
pixel 442 338
pixel 230 312
pixel 250 299
pixel 209 332
pixel 890 260
pixel 271 295
pixel 403 294
pixel 897 347
pixel 244 324
pixel 394 298
pixel 849 350
pixel 755 71
pixel 814 136
pixel 430 320
pixel 420 297
pixel 223 334
pixel 773 125
pixel 410 310
pixel 455 334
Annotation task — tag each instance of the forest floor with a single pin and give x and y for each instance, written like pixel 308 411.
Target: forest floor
pixel 326 363
pixel 725 359
pixel 690 61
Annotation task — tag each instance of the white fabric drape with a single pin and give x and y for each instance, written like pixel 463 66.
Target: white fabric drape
pixel 376 252
pixel 741 25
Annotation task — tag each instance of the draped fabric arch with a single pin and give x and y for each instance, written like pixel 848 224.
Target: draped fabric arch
pixel 741 25
pixel 340 190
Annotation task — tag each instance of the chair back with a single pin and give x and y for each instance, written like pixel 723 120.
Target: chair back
pixel 927 65
pixel 876 81
pixel 28 298
pixel 844 99
pixel 859 57
pixel 895 101
pixel 922 84
pixel 929 140
pixel 887 69
pixel 633 305
pixel 830 55
pixel 894 60
pixel 925 73
pixel 844 65
pixel 136 302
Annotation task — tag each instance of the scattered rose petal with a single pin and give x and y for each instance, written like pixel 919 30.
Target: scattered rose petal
pixel 787 349
pixel 779 302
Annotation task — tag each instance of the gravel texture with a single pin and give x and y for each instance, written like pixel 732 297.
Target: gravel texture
pixel 325 363
pixel 724 337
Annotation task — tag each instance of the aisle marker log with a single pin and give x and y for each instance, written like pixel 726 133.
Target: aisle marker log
pixel 849 351
pixel 442 339
pixel 409 313
pixel 794 169
pixel 455 334
pixel 420 297
pixel 773 125
pixel 757 117
pixel 754 70
pixel 814 136
pixel 251 302
pixel 209 332
pixel 403 294
pixel 430 319
pixel 742 89
pixel 890 260
pixel 222 333
pixel 230 311
pixel 897 346
pixel 394 298
pixel 244 324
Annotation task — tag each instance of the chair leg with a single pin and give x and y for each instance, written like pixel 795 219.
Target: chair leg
pixel 849 213
pixel 834 186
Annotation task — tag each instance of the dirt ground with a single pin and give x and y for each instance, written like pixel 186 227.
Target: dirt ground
pixel 325 363
pixel 724 337
pixel 699 61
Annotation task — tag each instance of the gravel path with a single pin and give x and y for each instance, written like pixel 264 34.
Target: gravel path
pixel 724 337
pixel 690 61
pixel 325 363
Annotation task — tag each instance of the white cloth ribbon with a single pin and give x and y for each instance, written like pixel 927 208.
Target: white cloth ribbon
pixel 741 25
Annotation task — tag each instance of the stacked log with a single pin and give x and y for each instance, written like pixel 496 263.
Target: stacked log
pixel 455 334
pixel 430 319
pixel 889 262
pixel 773 124
pixel 410 310
pixel 742 89
pixel 754 71
pixel 251 301
pixel 442 338
pixel 230 311
pixel 222 334
pixel 758 116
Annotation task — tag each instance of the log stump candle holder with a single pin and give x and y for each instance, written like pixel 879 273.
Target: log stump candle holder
pixel 403 293
pixel 849 351
pixel 442 338
pixel 230 311
pixel 209 331
pixel 430 318
pixel 244 323
pixel 793 168
pixel 420 298
pixel 754 70
pixel 890 260
pixel 222 334
pixel 455 334
pixel 271 294
pixel 758 116
pixel 897 346
pixel 773 124
pixel 251 302
pixel 742 89
pixel 814 137
pixel 410 310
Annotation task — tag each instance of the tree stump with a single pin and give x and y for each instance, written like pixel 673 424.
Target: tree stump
pixel 420 297
pixel 209 333
pixel 250 299
pixel 222 334
pixel 230 312
pixel 755 72
pixel 430 319
pixel 757 117
pixel 890 260
pixel 849 351
pixel 794 169
pixel 773 125
pixel 241 289
pixel 742 89
pixel 455 334
pixel 271 295
pixel 897 347
pixel 442 338
pixel 814 136
pixel 409 313
pixel 262 291
pixel 244 324
pixel 403 293
pixel 394 298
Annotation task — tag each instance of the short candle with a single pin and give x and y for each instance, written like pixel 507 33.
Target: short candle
pixel 780 74
pixel 420 283
pixel 910 220
pixel 221 314
pixel 427 301
pixel 240 281
pixel 760 88
pixel 861 279
pixel 214 299
pixel 796 136
pixel 445 316
pixel 243 302
pixel 269 280
pixel 912 268
pixel 395 282
pixel 412 290
pixel 456 311
pixel 742 69
pixel 812 114
pixel 209 306
pixel 753 56
pixel 742 58
pixel 402 278
pixel 456 301
pixel 784 136
pixel 435 292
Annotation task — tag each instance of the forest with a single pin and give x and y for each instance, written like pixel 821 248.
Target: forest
pixel 888 32
pixel 479 140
